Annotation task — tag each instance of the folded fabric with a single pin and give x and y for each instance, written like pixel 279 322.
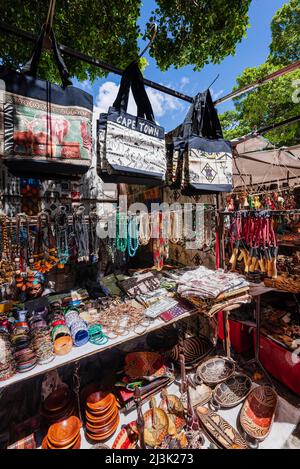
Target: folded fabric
pixel 206 283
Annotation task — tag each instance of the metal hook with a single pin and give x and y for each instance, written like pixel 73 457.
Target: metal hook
pixel 153 27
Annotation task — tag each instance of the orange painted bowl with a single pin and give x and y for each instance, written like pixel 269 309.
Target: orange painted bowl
pixel 127 437
pixel 99 401
pixel 62 433
pixel 258 412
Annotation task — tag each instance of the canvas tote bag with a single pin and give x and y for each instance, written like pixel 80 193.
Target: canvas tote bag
pixel 203 158
pixel 131 149
pixel 45 129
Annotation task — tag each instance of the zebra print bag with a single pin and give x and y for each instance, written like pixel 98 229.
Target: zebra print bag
pixel 131 149
pixel 45 129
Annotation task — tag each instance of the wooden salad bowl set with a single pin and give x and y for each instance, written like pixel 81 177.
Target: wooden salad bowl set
pixel 101 415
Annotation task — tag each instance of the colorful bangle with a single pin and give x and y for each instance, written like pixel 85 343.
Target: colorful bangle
pixel 63 345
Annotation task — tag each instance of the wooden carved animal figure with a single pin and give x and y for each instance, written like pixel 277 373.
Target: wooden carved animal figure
pixel 85 135
pixel 25 138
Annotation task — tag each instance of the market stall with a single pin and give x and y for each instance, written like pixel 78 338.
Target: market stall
pixel 109 316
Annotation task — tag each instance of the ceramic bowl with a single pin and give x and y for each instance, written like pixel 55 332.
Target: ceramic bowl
pixel 215 370
pixel 258 412
pixel 65 431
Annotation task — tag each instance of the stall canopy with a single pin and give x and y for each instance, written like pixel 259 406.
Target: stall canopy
pixel 258 163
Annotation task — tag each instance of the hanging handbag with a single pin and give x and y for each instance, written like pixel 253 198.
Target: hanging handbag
pixel 45 129
pixel 200 158
pixel 131 149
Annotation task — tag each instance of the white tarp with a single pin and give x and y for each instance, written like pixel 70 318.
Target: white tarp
pixel 258 162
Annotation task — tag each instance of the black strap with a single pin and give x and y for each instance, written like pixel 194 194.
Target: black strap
pixel 202 118
pixel 31 67
pixel 132 78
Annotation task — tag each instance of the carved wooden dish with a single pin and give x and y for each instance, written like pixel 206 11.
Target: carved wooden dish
pixel 232 392
pixel 258 412
pixel 215 370
pixel 156 425
pixel 219 431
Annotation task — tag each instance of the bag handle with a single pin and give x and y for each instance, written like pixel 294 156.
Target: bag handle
pixel 202 118
pixel 132 78
pixel 31 66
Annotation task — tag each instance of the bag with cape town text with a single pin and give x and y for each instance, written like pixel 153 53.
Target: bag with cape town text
pixel 131 149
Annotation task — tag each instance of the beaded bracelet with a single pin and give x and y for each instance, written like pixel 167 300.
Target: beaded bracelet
pixel 96 335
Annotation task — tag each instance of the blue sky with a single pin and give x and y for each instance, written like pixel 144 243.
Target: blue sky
pixel 170 112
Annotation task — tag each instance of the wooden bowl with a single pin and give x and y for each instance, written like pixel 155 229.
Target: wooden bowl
pixel 100 400
pixel 258 412
pixel 154 436
pixel 103 436
pixel 102 417
pixel 74 445
pixel 57 400
pixel 102 428
pixel 62 433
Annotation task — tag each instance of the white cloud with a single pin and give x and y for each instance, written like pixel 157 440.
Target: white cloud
pixel 161 102
pixel 216 94
pixel 184 81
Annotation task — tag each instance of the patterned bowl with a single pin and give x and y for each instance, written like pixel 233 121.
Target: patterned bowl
pixel 195 349
pixel 258 412
pixel 232 392
pixel 215 370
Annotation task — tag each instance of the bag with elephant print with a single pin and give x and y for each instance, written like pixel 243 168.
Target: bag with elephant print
pixel 131 149
pixel 45 129
pixel 200 160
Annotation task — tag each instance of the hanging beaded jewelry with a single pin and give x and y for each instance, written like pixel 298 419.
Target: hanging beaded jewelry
pixel 144 229
pixel 61 229
pixel 121 231
pixel 133 240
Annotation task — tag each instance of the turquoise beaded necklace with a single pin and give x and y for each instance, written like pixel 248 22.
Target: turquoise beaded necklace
pixel 133 237
pixel 121 232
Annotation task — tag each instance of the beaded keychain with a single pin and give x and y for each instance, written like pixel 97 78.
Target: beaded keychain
pixel 133 239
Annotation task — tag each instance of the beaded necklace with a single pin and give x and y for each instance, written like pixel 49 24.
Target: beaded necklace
pixel 121 232
pixel 144 229
pixel 133 240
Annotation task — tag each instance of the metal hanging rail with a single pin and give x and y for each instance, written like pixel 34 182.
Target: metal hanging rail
pixel 90 60
pixel 164 89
